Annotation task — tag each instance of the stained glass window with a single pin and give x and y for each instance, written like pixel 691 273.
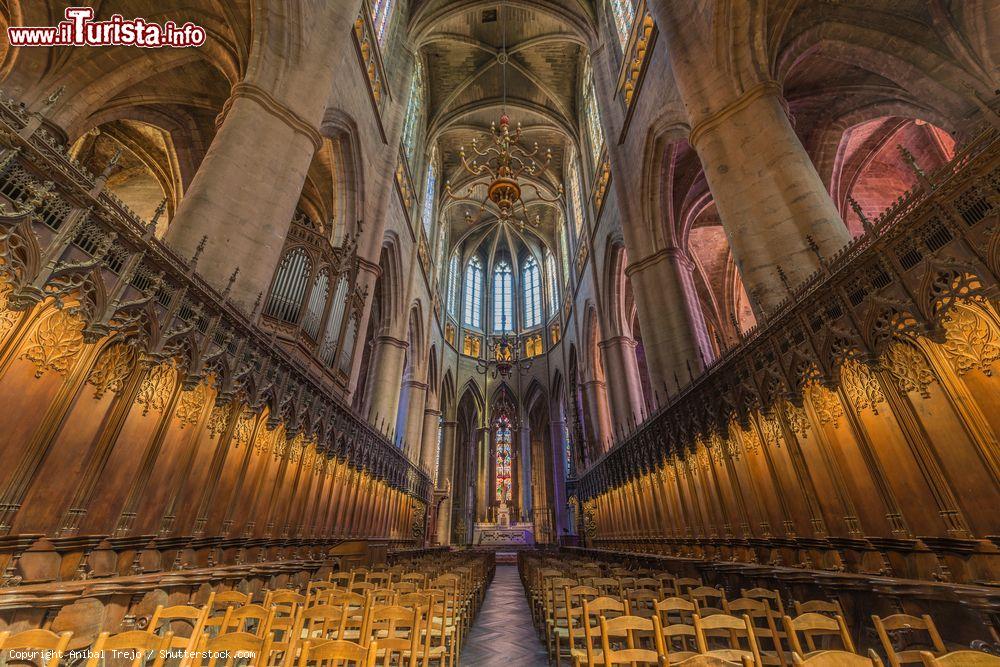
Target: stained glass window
pixel 414 108
pixel 430 190
pixel 593 120
pixel 576 200
pixel 473 294
pixel 553 284
pixel 503 460
pixel 381 15
pixel 503 297
pixel 453 285
pixel 624 14
pixel 532 294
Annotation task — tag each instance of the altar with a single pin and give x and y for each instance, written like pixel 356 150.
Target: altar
pixel 502 532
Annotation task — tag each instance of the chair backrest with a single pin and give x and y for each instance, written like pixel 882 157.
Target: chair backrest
pixel 646 582
pixel 607 585
pixel 683 584
pixel 232 648
pixel 380 579
pixel 230 599
pixel 319 622
pixel 45 644
pixel 340 579
pixel 642 602
pixel 593 610
pixel 838 659
pixel 383 596
pixel 627 628
pixel 772 597
pixel 143 645
pixel 252 618
pixel 960 659
pixel 906 623
pixel 710 661
pixel 812 625
pixel 710 600
pixel 177 617
pixel 729 632
pixel 765 626
pixel 830 608
pixel 397 630
pixel 338 652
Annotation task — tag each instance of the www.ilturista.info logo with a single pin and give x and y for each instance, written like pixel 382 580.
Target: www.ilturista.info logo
pixel 79 29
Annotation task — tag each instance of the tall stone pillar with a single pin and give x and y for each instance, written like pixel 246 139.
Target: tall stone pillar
pixel 524 440
pixel 557 437
pixel 413 434
pixel 484 481
pixel 430 438
pixel 244 194
pixel 772 201
pixel 624 384
pixel 386 373
pixel 673 327
pixel 446 480
pixel 596 394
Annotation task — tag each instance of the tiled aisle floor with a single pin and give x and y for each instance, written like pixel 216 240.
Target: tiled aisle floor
pixel 503 634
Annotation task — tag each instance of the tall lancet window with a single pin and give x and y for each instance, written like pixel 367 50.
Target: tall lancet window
pixel 430 191
pixel 575 198
pixel 564 252
pixel 553 284
pixel 503 297
pixel 473 316
pixel 532 294
pixel 381 17
pixel 503 460
pixel 453 285
pixel 414 110
pixel 592 119
pixel 624 14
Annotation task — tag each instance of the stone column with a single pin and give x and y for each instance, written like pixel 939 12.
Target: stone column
pixel 388 360
pixel 772 201
pixel 244 194
pixel 558 500
pixel 430 438
pixel 524 440
pixel 625 385
pixel 596 394
pixel 673 327
pixel 446 480
pixel 413 434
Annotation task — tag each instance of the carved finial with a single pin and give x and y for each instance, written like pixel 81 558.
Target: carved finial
pixel 229 284
pixel 9 156
pixel 912 163
pixel 814 247
pixel 256 305
pixel 198 250
pixel 783 278
pixel 112 163
pixel 151 225
pixel 52 99
pixel 856 207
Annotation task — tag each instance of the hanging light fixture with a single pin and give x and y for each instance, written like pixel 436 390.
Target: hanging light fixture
pixel 501 163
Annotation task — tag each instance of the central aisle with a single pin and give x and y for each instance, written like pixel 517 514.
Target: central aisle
pixel 503 634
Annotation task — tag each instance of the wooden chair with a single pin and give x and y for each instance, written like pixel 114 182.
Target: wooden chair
pixel 338 652
pixel 772 597
pixel 341 580
pixel 764 624
pixel 229 649
pixel 829 608
pixel 253 619
pixel 593 610
pixel 561 632
pixel 47 645
pixel 418 579
pixel 813 625
pixel 684 584
pixel 711 627
pixel 229 599
pixel 170 618
pixel 150 650
pixel 709 600
pixel 322 622
pixel 904 623
pixel 380 579
pixel 437 644
pixel 625 630
pixel 397 631
pixel 608 586
pixel 642 602
pixel 838 659
pixel 960 659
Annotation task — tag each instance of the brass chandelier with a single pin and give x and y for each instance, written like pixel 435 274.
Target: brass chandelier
pixel 501 164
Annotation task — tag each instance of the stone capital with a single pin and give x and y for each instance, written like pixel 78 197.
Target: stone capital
pixel 253 92
pixel 369 267
pixel 432 412
pixel 674 254
pixel 713 120
pixel 618 340
pixel 392 341
pixel 415 384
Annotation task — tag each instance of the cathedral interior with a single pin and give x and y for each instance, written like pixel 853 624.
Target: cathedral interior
pixel 466 332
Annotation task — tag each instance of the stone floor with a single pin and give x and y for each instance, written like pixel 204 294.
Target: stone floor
pixel 503 634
